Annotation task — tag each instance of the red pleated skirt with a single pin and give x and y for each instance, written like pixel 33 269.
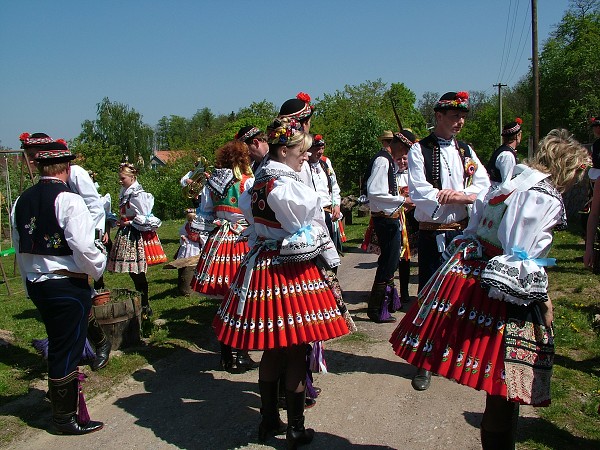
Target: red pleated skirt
pixel 287 304
pixel 153 249
pixel 218 262
pixel 461 332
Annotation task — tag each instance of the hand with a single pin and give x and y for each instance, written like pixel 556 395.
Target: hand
pixel 408 204
pixel 335 213
pixel 105 237
pixel 449 196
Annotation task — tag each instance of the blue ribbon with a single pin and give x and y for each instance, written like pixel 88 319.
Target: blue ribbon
pixel 523 256
pixel 305 230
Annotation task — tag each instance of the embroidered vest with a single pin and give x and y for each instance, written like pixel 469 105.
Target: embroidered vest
pixel 261 211
pixel 491 168
pixel 39 232
pixel 392 186
pixel 327 172
pixel 431 157
pixel 230 201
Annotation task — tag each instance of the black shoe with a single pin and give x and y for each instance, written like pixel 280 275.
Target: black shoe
pixel 102 354
pixel 268 428
pixel 226 358
pixel 421 380
pixel 377 317
pixel 69 425
pixel 243 361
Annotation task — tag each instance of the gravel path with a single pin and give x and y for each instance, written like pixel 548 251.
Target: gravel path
pixel 367 401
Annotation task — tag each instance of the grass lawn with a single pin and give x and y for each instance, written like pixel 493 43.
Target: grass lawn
pixel 571 421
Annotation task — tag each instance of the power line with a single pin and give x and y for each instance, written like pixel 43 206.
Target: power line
pixel 505 36
pixel 518 57
pixel 510 41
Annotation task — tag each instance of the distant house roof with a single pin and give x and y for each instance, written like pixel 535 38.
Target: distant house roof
pixel 163 157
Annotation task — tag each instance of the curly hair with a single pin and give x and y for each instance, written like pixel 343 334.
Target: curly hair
pixel 128 169
pixel 234 155
pixel 561 156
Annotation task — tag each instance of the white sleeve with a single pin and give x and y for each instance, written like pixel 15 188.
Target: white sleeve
pixel 481 179
pixel 421 191
pixel 378 189
pixel 76 221
pixel 81 183
pixel 335 187
pixel 185 177
pixel 295 205
pixel 505 164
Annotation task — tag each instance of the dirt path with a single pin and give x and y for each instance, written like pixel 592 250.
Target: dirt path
pixel 366 402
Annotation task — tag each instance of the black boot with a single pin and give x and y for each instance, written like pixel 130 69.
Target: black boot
pixel 64 395
pixel 404 272
pixel 377 308
pixel 226 357
pixel 102 344
pixel 296 433
pixel 271 424
pixel 496 440
pixel 243 361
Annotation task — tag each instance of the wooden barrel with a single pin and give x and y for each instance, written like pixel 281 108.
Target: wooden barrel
pixel 121 317
pixel 184 280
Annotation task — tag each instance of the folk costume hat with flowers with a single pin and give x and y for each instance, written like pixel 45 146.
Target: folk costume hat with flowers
pixel 405 137
pixel 298 108
pixel 318 141
pixel 49 151
pixel 453 101
pixel 247 133
pixel 512 128
pixel 595 121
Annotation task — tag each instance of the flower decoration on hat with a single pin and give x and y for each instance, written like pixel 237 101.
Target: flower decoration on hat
pixel 512 127
pixel 298 108
pixel 318 141
pixel 283 132
pixel 595 121
pixel 33 140
pixel 460 100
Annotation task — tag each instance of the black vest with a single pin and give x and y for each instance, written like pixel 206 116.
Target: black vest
pixel 392 185
pixel 39 232
pixel 491 168
pixel 431 158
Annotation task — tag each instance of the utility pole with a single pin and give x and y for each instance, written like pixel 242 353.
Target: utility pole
pixel 500 85
pixel 536 78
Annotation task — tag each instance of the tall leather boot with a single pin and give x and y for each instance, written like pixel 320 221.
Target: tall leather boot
pixel 244 362
pixel 296 433
pixel 64 395
pixel 404 272
pixel 377 308
pixel 271 424
pixel 226 357
pixel 102 344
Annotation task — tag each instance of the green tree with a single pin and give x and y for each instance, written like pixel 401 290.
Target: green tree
pixel 118 125
pixel 570 71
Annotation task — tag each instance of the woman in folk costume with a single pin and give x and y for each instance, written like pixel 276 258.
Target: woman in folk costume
pixel 279 301
pixel 226 246
pixel 190 240
pixel 136 245
pixel 484 318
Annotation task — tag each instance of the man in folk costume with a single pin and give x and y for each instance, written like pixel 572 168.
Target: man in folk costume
pixel 81 183
pixel 256 140
pixel 53 233
pixel 504 159
pixel 325 183
pixel 444 178
pixel 385 203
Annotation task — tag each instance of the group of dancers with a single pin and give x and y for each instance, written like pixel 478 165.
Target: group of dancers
pixel 268 236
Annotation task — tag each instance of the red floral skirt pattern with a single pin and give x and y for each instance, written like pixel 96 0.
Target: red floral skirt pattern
pixel 153 249
pixel 219 261
pixel 287 304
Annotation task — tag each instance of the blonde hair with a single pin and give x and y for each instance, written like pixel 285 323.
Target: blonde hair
pixel 189 217
pixel 561 156
pixel 129 170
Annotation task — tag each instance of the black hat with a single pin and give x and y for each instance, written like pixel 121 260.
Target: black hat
pixel 298 108
pixel 34 140
pixel 318 141
pixel 512 127
pixel 54 153
pixel 453 100
pixel 247 133
pixel 405 137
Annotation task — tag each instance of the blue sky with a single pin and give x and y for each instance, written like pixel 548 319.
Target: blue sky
pixel 60 58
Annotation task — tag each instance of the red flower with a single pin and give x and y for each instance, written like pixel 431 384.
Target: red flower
pixel 318 137
pixel 462 95
pixel 24 136
pixel 592 119
pixel 519 120
pixel 303 96
pixel 61 141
